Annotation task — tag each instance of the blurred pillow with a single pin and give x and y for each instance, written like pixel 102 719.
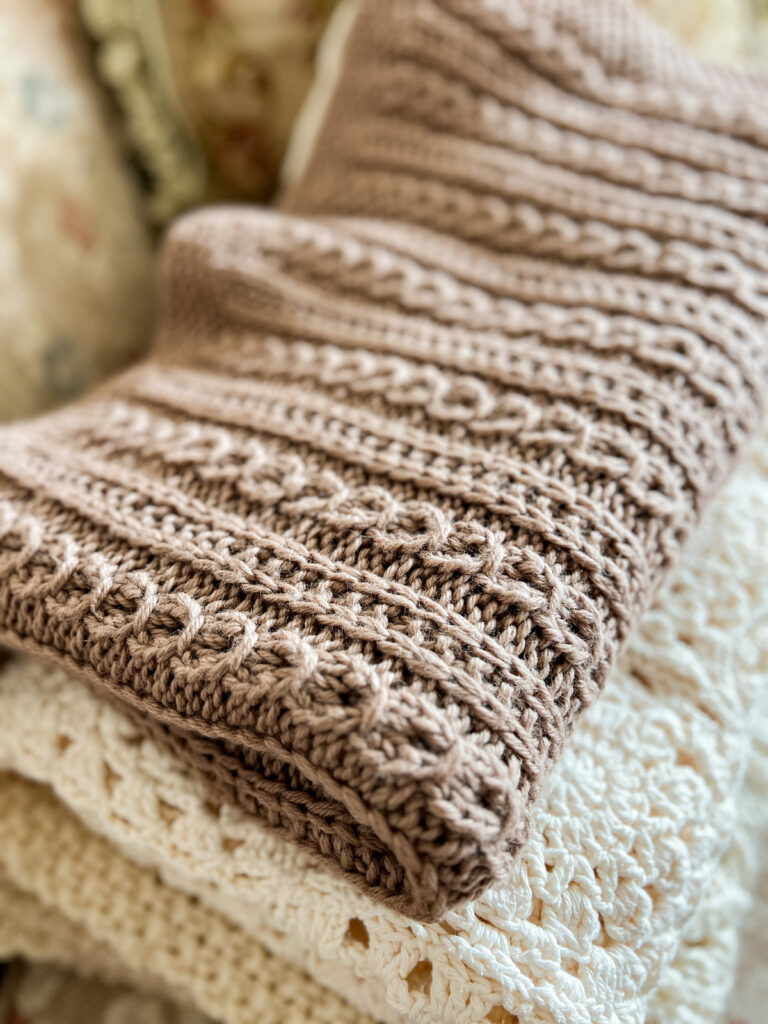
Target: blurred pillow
pixel 43 994
pixel 208 89
pixel 718 29
pixel 75 256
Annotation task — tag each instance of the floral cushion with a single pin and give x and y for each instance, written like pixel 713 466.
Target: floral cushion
pixel 208 90
pixel 75 255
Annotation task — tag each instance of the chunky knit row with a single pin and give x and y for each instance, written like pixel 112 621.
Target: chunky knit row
pixel 365 534
pixel 594 910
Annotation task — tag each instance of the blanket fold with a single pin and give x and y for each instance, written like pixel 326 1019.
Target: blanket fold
pixel 68 897
pixel 56 911
pixel 365 534
pixel 590 921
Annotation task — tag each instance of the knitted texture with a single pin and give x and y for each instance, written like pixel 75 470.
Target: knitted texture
pixel 594 909
pixel 748 997
pixel 699 985
pixel 94 895
pixel 712 944
pixel 65 924
pixel 693 987
pixel 28 929
pixel 366 533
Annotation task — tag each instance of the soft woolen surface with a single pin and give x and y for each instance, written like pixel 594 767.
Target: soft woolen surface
pixel 595 907
pixel 367 531
pixel 70 899
pixel 692 991
pixel 123 922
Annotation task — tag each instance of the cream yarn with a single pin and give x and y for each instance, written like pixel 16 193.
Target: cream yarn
pixel 119 919
pixel 749 996
pixel 75 902
pixel 614 869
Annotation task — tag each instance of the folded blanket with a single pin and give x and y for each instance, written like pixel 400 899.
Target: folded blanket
pixel 365 534
pixel 628 832
pixel 692 990
pixel 117 918
pixel 67 897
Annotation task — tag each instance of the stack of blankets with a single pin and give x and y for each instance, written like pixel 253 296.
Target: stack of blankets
pixel 391 643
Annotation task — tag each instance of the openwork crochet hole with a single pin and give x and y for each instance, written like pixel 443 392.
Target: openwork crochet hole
pixel 229 844
pixel 357 932
pixel 537 907
pixel 499 1015
pixel 420 977
pixel 570 965
pixel 167 811
pixel 63 742
pixel 111 779
pixel 602 939
pixel 686 760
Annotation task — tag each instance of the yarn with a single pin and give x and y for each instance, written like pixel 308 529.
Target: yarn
pixel 122 921
pixel 628 833
pixel 365 535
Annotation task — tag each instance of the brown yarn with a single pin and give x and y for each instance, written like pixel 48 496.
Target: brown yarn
pixel 364 535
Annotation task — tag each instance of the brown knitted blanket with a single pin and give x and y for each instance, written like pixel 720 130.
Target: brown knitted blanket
pixel 365 533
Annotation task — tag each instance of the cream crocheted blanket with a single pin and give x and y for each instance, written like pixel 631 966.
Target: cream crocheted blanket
pixel 625 843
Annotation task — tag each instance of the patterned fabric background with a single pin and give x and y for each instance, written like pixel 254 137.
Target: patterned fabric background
pixel 46 995
pixel 73 245
pixel 207 90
